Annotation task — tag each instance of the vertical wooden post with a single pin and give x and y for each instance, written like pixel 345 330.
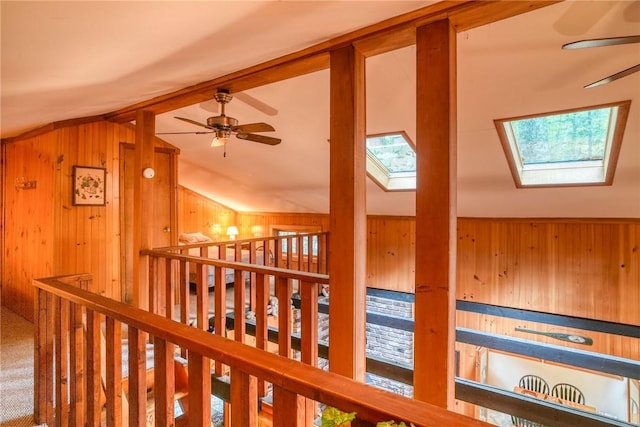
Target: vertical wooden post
pixel 220 306
pixel 347 217
pixel 76 363
pixel 143 205
pixel 262 321
pixel 137 376
pixel 309 337
pixel 61 325
pixel 43 358
pixel 284 290
pixel 164 382
pixel 199 390
pixel 94 370
pixel 113 346
pixel 287 408
pixel 435 215
pixel 244 399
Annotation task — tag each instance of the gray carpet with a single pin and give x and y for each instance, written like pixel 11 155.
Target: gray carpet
pixel 16 370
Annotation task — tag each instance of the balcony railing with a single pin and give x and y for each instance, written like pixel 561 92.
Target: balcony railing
pixel 76 367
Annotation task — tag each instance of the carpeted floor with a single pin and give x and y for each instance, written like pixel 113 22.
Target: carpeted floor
pixel 16 370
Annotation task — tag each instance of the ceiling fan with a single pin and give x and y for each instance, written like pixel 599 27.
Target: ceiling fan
pixel 609 41
pixel 222 126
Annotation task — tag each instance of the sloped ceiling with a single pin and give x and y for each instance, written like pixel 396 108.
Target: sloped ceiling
pixel 63 60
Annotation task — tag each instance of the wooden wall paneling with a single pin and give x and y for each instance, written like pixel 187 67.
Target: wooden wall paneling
pixel 28 238
pixel 391 253
pixel 575 268
pixel 197 213
pixel 629 252
pixel 249 222
pixel 71 239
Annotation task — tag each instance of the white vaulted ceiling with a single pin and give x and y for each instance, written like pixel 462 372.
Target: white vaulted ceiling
pixel 64 60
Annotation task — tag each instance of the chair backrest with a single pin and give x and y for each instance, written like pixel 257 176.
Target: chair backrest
pixel 568 392
pixel 521 422
pixel 534 383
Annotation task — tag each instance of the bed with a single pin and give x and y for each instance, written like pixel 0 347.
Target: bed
pixel 229 274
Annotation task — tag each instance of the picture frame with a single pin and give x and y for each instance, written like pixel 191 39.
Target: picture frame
pixel 89 186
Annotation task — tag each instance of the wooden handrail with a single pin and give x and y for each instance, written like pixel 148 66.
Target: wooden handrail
pixel 290 378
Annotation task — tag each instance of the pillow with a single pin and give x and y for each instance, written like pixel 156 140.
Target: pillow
pixel 194 238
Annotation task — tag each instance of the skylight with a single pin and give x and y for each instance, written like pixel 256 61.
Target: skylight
pixel 575 147
pixel 391 161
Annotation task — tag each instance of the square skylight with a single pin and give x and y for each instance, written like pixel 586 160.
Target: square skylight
pixel 391 161
pixel 564 148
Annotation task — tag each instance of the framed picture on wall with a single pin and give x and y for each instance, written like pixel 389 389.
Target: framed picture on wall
pixel 89 188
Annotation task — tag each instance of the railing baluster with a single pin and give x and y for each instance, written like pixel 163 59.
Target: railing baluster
pixel 289 263
pixel 153 284
pixel 239 314
pixel 323 255
pixel 43 359
pixel 300 250
pixel 76 362
pixel 199 390
pixel 170 289
pixel 137 377
pixel 164 382
pixel 283 293
pixel 95 394
pixel 262 300
pixel 184 297
pixel 220 307
pixel 244 399
pixel 309 336
pixel 113 341
pixel 61 310
pixel 253 259
pixel 287 408
pixel 202 296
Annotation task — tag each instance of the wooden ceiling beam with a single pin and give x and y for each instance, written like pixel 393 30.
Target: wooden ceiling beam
pixel 387 35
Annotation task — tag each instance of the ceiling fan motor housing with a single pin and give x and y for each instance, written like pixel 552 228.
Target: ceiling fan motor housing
pixel 221 122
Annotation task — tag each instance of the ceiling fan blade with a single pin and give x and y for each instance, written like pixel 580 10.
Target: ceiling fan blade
pixel 608 41
pixel 615 76
pixel 184 133
pixel 256 103
pixel 259 138
pixel 193 122
pixel 253 127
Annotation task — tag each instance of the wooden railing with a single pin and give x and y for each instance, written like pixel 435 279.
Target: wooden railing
pixel 70 352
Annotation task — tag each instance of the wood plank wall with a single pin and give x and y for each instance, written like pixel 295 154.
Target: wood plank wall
pixel 197 213
pixel 583 267
pixel 27 231
pixel 588 268
pixel 44 233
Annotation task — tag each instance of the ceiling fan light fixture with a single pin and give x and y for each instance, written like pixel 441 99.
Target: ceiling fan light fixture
pixel 220 137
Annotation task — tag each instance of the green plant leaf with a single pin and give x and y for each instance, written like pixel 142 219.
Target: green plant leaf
pixel 332 417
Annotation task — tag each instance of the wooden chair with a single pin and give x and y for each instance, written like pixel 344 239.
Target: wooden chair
pixel 521 422
pixel 568 392
pixel 533 383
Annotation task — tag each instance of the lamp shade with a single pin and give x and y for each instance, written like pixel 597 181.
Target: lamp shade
pixel 232 232
pixel 220 137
